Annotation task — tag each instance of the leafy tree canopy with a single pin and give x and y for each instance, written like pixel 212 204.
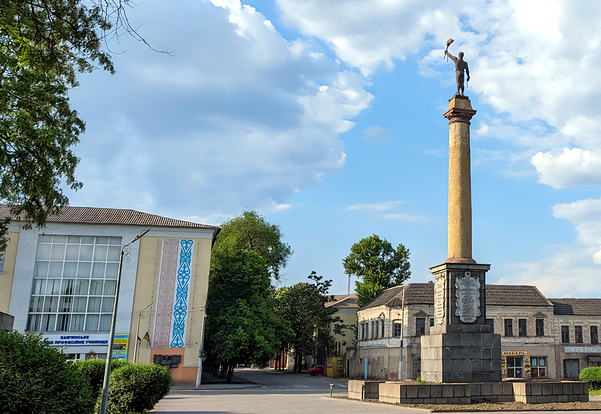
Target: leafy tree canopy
pixel 251 231
pixel 43 45
pixel 303 306
pixel 378 265
pixel 242 326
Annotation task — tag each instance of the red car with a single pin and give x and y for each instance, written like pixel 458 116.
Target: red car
pixel 316 370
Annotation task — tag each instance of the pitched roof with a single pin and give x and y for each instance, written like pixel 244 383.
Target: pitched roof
pixel 569 306
pixel 423 294
pixel 343 301
pixel 96 215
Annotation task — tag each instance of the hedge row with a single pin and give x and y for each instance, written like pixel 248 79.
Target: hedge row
pixel 592 376
pixel 36 378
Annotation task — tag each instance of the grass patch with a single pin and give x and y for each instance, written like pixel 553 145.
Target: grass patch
pixel 594 392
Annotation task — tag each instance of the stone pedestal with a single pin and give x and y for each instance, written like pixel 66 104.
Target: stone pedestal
pixel 460 347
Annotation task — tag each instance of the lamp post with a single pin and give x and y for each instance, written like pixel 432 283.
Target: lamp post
pixel 138 331
pixel 401 345
pixel 202 342
pixel 109 354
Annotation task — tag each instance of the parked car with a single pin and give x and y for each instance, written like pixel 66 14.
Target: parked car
pixel 316 370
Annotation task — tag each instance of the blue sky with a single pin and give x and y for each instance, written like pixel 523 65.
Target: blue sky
pixel 326 117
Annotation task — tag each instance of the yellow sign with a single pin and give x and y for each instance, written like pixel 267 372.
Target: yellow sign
pixel 513 353
pixel 120 344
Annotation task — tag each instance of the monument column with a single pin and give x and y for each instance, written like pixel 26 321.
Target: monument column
pixel 460 194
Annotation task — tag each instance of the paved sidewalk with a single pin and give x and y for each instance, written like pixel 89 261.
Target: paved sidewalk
pixel 213 382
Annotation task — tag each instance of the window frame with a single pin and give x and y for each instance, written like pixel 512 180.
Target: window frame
pixel 594 334
pixel 420 326
pixel 536 367
pixel 522 327
pixel 565 334
pixel 508 327
pixel 578 336
pixel 540 327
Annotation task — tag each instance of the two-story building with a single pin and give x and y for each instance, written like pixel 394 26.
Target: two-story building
pixel 61 281
pixel 540 337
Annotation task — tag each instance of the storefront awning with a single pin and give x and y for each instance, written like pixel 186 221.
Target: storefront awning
pixel 594 358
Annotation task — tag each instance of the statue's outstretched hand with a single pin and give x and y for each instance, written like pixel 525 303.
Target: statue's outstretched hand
pixel 468 78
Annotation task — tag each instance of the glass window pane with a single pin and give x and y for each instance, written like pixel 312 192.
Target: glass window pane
pixel 48 323
pixel 92 323
pixel 39 286
pixel 107 304
pixel 36 304
pixel 94 304
pixel 100 253
pixel 109 287
pixel 33 324
pixel 55 269
pixel 72 252
pixel 44 239
pixel 85 252
pixel 41 269
pixel 81 287
pixel 63 322
pixel 87 240
pixel 115 241
pixel 77 323
pixel 68 287
pixel 84 269
pixel 98 270
pixel 105 323
pixel 43 252
pixel 111 270
pixel 102 240
pixel 66 303
pixel 73 239
pixel 58 252
pixel 70 269
pixel 51 304
pixel 59 239
pixel 113 255
pixel 96 287
pixel 53 286
pixel 79 304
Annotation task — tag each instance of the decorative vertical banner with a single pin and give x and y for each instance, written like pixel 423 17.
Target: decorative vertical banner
pixel 182 294
pixel 164 308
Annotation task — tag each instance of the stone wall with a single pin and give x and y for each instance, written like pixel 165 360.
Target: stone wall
pixel 6 321
pixel 474 393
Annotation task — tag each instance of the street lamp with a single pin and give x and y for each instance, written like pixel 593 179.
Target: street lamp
pixel 401 345
pixel 138 331
pixel 109 354
pixel 202 342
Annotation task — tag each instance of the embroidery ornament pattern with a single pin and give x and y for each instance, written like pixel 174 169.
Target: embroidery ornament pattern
pixel 164 309
pixel 180 308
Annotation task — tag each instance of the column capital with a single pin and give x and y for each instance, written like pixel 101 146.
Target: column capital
pixel 460 110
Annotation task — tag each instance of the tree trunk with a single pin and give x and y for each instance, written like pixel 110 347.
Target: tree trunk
pixel 230 372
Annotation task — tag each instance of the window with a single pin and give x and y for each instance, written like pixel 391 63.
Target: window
pixel 373 331
pixel 522 327
pixel 74 283
pixel 375 328
pixel 397 329
pixel 578 334
pixel 382 322
pixel 540 327
pixel 515 367
pixel 2 256
pixel 431 322
pixel 420 326
pixel 508 327
pixel 565 334
pixel 491 323
pixel 539 367
pixel 594 335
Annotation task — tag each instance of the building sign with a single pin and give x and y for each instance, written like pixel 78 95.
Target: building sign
pixel 582 349
pixel 513 353
pixel 78 340
pixel 120 344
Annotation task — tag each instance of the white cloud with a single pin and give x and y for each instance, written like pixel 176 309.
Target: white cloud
pixel 571 168
pixel 374 133
pixel 236 117
pixel 407 218
pixel 386 205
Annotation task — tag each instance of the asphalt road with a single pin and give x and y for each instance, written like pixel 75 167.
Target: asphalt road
pixel 284 393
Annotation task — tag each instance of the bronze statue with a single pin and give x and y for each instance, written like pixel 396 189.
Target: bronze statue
pixel 460 67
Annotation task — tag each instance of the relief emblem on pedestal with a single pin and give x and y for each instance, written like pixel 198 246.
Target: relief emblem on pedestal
pixel 439 295
pixel 467 293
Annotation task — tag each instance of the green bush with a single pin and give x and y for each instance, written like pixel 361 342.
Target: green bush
pixel 36 378
pixel 137 387
pixel 93 369
pixel 592 376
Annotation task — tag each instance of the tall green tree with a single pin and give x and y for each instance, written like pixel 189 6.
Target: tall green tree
pixel 43 45
pixel 378 266
pixel 250 231
pixel 242 326
pixel 303 306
